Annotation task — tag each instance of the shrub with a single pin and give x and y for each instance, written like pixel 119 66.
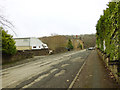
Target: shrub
pixel 69 45
pixel 8 43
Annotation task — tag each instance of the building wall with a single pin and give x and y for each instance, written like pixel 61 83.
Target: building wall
pixel 36 42
pixel 22 41
pixel 23 47
pixel 76 43
pixel 29 43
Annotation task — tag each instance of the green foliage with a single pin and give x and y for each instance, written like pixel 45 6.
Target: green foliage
pixel 69 45
pixel 108 30
pixel 79 46
pixel 8 44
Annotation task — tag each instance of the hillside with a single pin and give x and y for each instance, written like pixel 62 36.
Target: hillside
pixel 59 42
pixel 89 40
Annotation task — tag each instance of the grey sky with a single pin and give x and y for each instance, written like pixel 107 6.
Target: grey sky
pixel 36 18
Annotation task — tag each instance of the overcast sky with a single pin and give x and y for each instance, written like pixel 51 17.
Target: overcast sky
pixel 37 18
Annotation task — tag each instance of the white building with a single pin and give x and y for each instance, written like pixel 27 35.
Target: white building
pixel 29 43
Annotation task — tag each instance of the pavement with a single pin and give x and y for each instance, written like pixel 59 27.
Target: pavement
pixel 94 74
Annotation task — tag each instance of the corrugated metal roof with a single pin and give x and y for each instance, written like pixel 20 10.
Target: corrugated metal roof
pixel 29 41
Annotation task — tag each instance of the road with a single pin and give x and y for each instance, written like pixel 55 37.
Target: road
pixel 53 71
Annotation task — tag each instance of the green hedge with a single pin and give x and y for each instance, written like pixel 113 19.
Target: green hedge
pixel 108 31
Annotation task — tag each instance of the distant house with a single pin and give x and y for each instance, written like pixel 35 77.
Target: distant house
pixel 77 42
pixel 29 43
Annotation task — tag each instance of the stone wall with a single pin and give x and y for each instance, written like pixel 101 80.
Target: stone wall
pixel 112 66
pixel 39 52
pixel 23 54
pixel 18 56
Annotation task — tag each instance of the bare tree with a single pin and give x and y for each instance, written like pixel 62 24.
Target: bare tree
pixel 4 22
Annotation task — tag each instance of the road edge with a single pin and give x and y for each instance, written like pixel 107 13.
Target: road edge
pixel 19 65
pixel 72 83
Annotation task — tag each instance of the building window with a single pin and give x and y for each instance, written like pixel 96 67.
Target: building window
pixel 34 46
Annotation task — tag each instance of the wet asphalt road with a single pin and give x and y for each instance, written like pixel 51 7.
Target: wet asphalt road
pixel 54 71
